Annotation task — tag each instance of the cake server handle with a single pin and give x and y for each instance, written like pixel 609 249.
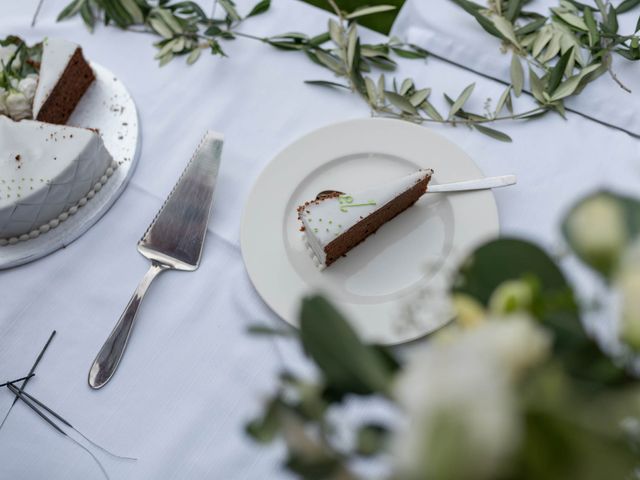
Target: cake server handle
pixel 478 184
pixel 109 356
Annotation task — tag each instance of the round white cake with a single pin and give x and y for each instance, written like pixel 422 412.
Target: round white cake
pixel 47 170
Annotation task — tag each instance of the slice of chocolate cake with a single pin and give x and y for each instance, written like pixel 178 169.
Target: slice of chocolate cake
pixel 334 223
pixel 64 78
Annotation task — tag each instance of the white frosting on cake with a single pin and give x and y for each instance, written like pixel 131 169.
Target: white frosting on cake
pixel 327 219
pixel 45 170
pixel 56 54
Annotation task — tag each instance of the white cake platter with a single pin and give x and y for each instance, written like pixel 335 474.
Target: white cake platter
pixel 108 107
pixel 390 286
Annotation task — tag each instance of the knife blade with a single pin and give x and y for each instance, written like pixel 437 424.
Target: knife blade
pixel 174 240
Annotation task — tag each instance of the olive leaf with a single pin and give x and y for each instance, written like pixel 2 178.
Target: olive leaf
pixel 461 100
pixel 493 133
pixel 363 11
pixel 419 96
pixel 627 5
pixel 502 100
pixel 571 19
pixel 557 72
pixel 259 8
pixel 326 83
pixel 517 75
pixel 400 102
pixel 505 27
pixel 431 111
pixel 571 84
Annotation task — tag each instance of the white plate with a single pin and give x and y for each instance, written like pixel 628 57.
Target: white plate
pixel 379 280
pixel 107 106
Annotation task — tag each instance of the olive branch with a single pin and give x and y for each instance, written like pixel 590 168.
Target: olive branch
pixel 563 52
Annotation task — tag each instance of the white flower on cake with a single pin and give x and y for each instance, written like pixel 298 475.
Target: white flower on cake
pixel 18 106
pixel 28 86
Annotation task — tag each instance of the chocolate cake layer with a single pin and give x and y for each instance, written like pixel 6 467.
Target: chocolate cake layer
pixel 368 226
pixel 74 82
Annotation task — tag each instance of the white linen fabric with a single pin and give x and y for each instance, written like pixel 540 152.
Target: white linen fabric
pixel 191 376
pixel 444 28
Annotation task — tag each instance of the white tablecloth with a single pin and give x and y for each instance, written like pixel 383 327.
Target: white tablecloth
pixel 192 377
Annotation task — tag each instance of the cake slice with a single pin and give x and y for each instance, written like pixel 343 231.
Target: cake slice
pixel 334 222
pixel 64 78
pixel 46 172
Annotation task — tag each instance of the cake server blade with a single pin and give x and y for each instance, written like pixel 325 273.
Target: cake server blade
pixel 174 240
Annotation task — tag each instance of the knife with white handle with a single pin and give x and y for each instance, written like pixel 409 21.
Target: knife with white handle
pixel 174 240
pixel 478 184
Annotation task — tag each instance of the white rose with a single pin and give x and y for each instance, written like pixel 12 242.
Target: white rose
pixel 28 86
pixel 3 104
pixel 627 284
pixel 516 341
pixel 597 230
pixel 459 400
pixel 18 106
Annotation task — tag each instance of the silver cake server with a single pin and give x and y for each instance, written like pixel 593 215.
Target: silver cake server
pixel 174 240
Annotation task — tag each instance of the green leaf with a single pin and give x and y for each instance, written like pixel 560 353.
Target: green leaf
pixel 411 54
pixel 611 24
pixel 336 31
pixel 134 10
pixel 259 8
pixel 461 100
pixel 407 84
pixel 544 37
pixel 517 74
pixel 352 40
pixel 419 96
pixel 372 93
pixel 513 10
pixel 474 9
pixel 88 17
pixel 71 9
pixel 502 100
pixel 347 365
pixel 571 84
pixel 557 72
pixel 431 111
pixel 590 22
pixel 364 11
pixel 400 103
pixel 160 27
pixel 230 9
pixel 537 87
pixel 265 330
pixel 531 27
pixel 326 83
pixel 330 61
pixel 171 20
pixel 498 135
pixel 505 27
pixel 571 19
pixel 627 5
